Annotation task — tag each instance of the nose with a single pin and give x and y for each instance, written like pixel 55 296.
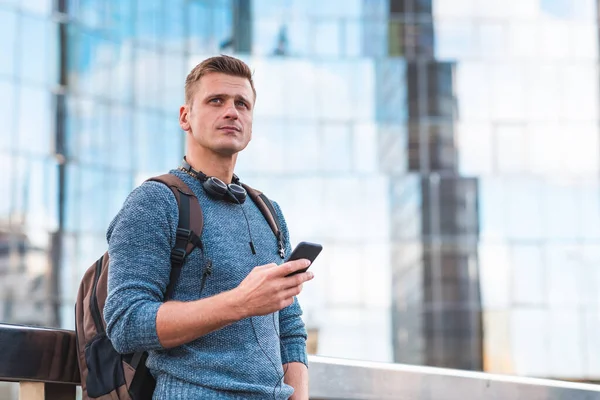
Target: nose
pixel 231 112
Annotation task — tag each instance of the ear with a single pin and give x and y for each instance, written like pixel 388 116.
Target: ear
pixel 184 115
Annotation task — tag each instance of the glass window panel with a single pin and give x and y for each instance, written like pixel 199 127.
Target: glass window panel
pixel 120 20
pixel 272 102
pixel 454 8
pixel 529 341
pixel 591 341
pixel 391 91
pixel 543 97
pixel 158 143
pixel 335 8
pixel 552 139
pixel 336 147
pixel 103 67
pixel 455 39
pixel 528 275
pixel 268 138
pixel 492 39
pixel 89 74
pixel 365 145
pixel 36 123
pixel 362 75
pixel 91 13
pixel 375 38
pixel 147 68
pixel 510 148
pixel 121 138
pixel 493 9
pixel 554 40
pixel 94 141
pixel 38 58
pixel 174 20
pixel 584 41
pixel 335 213
pixel 299 36
pixel 523 205
pixel 494 276
pixel 148 21
pixel 522 39
pixel 492 203
pixel 93 196
pixel 326 37
pixel 8 31
pixel 35 196
pixel 145 126
pixel 37 6
pixel 6 186
pixel 200 28
pixel 334 82
pixel 560 211
pixel 523 9
pixel 583 10
pixel 580 97
pixel 265 36
pixel 353 37
pixel 566 9
pixel 39 185
pixel 222 27
pixel 299 91
pixel 589 211
pixel 581 154
pixel 475 148
pixel 172 140
pixel 7 111
pixel 120 187
pixel 174 73
pixel 566 352
pixel 73 198
pixel 302 147
pixel 121 74
pixel 473 91
pixel 507 91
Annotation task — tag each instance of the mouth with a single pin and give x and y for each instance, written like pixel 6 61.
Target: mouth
pixel 230 128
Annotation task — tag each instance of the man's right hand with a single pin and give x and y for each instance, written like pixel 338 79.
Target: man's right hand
pixel 267 289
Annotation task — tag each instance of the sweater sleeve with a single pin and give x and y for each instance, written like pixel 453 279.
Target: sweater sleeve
pixel 139 246
pixel 291 327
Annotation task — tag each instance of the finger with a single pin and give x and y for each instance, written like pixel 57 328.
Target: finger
pixel 297 280
pixel 292 266
pixel 288 300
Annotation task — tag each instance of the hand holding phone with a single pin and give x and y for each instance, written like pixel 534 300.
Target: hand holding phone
pixel 305 250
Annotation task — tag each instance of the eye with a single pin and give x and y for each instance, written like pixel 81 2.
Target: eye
pixel 240 103
pixel 216 100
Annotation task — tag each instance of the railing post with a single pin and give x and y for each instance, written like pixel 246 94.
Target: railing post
pixel 46 391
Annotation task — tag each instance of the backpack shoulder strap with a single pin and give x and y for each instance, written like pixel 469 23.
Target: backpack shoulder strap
pixel 189 227
pixel 268 211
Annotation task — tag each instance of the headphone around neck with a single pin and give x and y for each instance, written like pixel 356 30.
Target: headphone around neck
pixel 216 188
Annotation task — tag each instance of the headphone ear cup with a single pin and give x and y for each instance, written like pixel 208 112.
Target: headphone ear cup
pixel 238 192
pixel 215 188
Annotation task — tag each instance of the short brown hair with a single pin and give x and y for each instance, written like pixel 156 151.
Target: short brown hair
pixel 223 64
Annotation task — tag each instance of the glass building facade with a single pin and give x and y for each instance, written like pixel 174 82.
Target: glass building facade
pixel 444 152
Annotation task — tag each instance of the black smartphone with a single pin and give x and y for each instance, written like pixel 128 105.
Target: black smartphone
pixel 306 250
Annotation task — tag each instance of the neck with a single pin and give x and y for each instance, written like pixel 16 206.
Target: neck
pixel 211 164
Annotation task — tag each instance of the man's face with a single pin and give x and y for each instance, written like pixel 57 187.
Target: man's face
pixel 219 117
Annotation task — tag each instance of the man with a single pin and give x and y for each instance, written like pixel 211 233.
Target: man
pixel 236 332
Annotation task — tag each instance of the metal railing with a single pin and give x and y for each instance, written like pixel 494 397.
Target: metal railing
pixel 44 362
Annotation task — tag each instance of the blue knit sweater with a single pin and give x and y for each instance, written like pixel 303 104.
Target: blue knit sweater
pixel 228 363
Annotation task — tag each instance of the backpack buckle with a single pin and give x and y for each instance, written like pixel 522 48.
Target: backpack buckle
pixel 177 256
pixel 184 234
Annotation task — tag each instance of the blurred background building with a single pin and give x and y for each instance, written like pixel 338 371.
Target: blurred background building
pixel 445 152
